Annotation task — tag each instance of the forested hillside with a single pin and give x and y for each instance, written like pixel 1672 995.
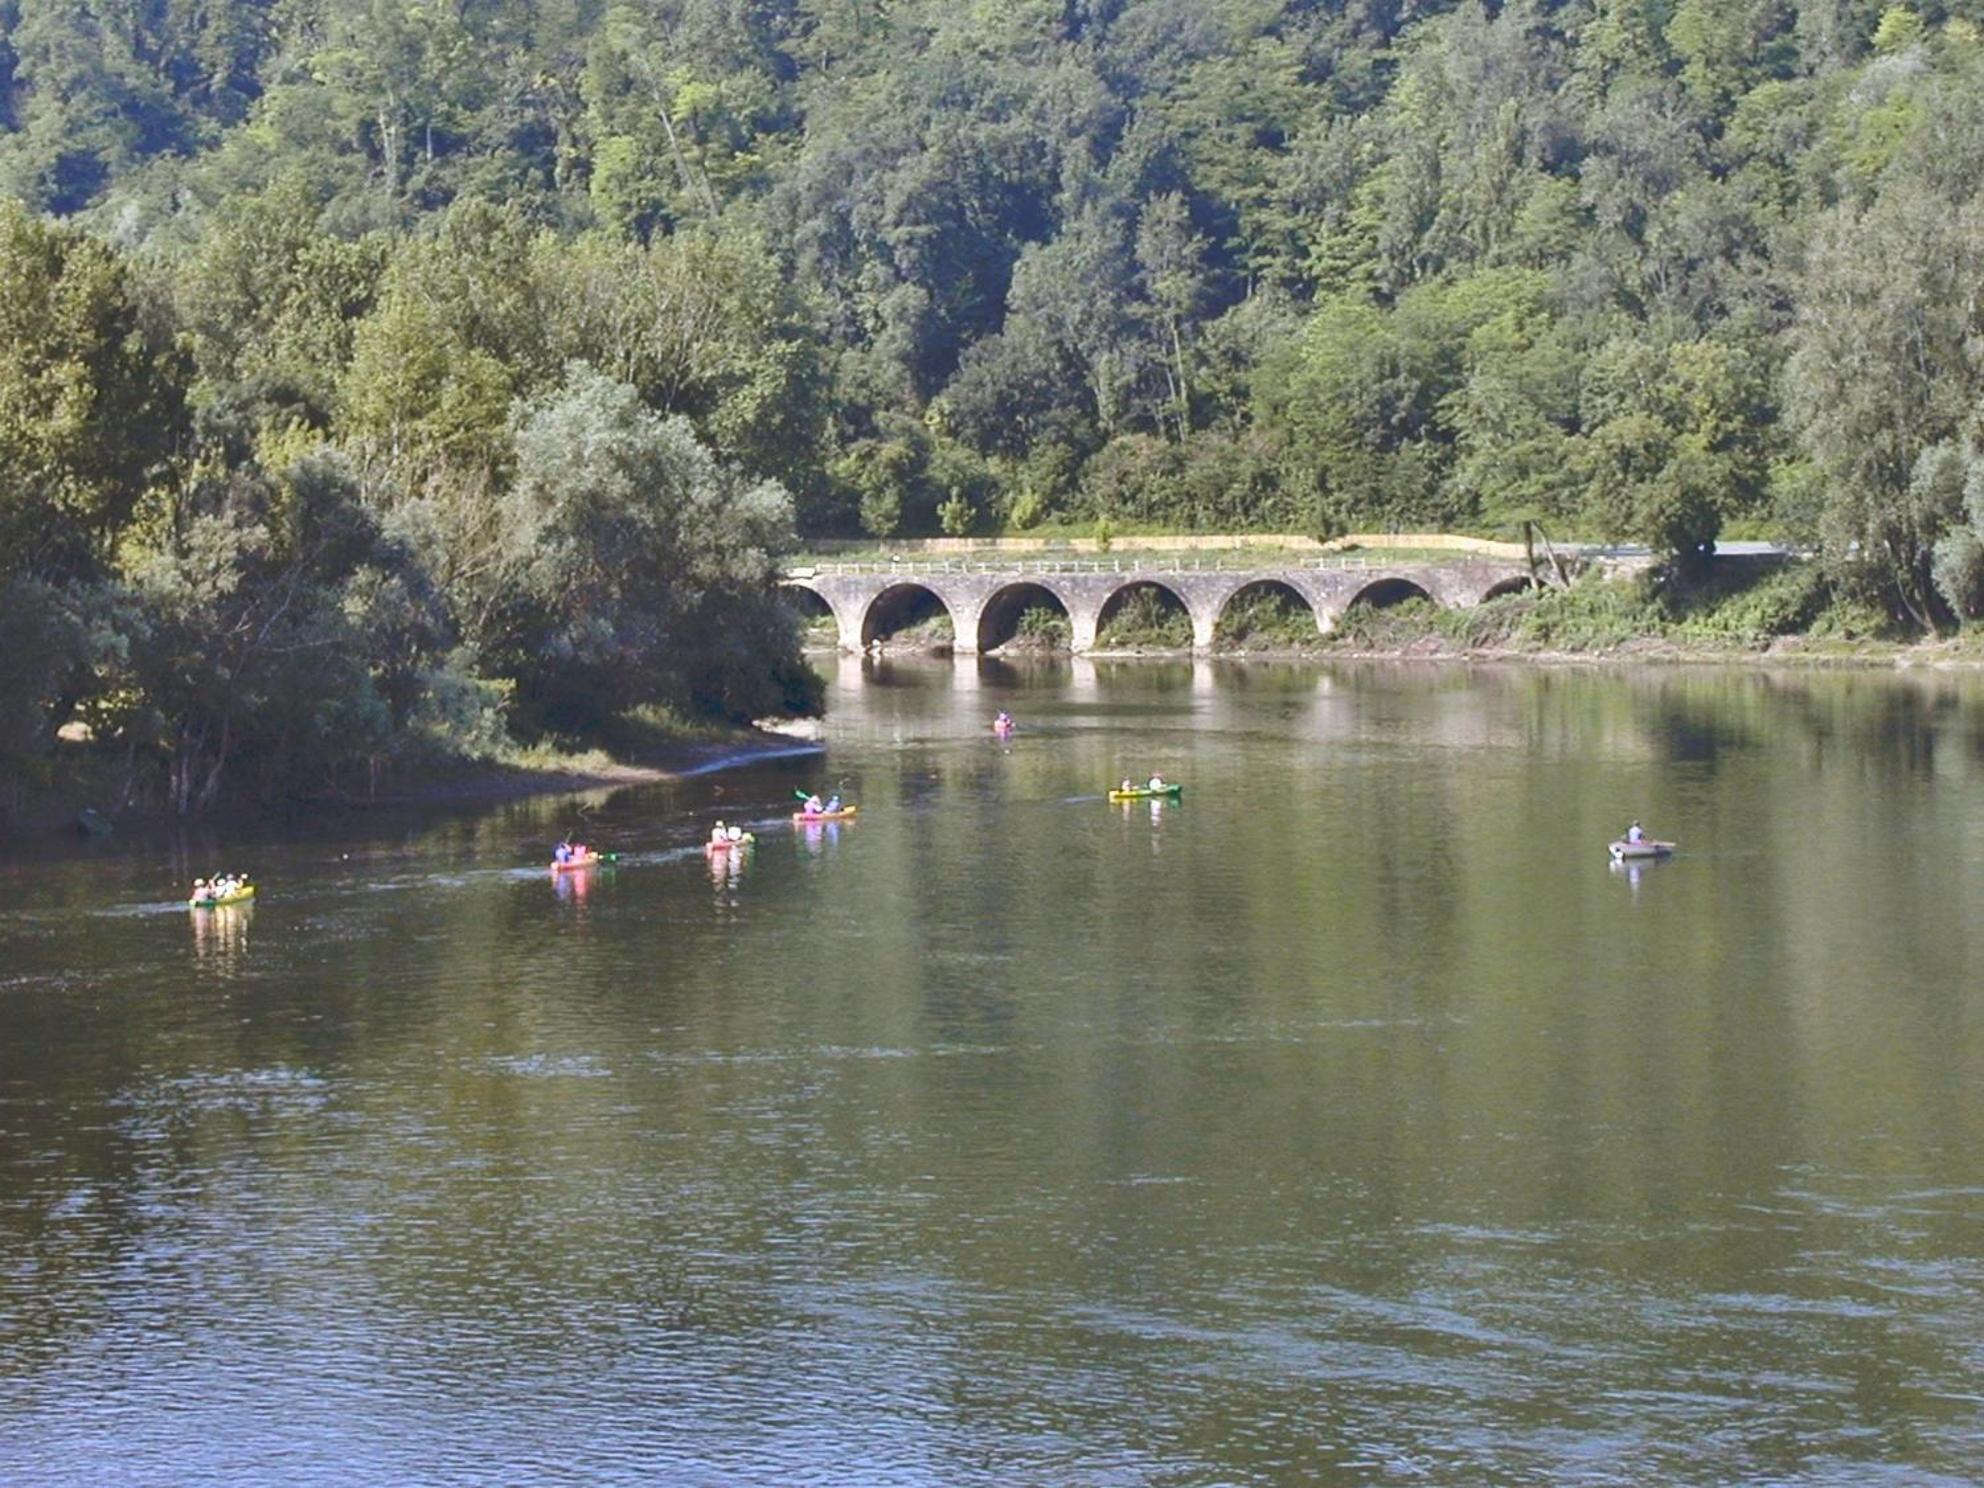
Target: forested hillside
pixel 364 293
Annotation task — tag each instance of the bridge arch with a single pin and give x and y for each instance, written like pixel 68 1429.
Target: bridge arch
pixel 899 606
pixel 980 601
pixel 809 602
pixel 1519 584
pixel 999 617
pixel 1264 602
pixel 1394 589
pixel 1156 605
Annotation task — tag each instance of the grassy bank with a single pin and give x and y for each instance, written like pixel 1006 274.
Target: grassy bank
pixel 53 792
pixel 1736 611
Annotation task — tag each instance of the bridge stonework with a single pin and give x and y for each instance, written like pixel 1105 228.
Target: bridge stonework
pixel 855 593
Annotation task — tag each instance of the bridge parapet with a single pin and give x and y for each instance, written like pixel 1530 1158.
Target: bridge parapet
pixel 1131 564
pixel 867 599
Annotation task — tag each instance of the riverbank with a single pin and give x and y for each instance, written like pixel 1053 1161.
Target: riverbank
pixel 597 771
pixel 1648 650
pixel 1781 614
pixel 58 806
pixel 1652 650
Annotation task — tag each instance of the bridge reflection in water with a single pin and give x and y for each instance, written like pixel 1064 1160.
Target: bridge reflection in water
pixel 870 601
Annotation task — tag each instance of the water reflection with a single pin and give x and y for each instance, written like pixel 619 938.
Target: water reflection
pixel 726 869
pixel 1633 870
pixel 818 838
pixel 220 937
pixel 1305 1129
pixel 576 885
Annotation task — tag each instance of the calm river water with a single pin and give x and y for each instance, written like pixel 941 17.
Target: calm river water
pixel 1352 1121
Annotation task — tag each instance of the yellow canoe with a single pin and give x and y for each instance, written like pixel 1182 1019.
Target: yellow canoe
pixel 239 896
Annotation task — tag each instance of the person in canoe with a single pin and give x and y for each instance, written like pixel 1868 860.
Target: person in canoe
pixel 1156 782
pixel 814 806
pixel 1004 721
pixel 568 852
pixel 1634 834
pixel 735 834
pixel 833 805
pixel 220 886
pixel 720 835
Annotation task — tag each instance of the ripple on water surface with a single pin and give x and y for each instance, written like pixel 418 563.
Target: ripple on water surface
pixel 1305 1131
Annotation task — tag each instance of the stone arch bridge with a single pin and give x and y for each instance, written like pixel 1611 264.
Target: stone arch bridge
pixel 870 600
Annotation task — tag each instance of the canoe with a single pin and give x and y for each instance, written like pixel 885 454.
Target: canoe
pixel 588 861
pixel 1645 848
pixel 1145 793
pixel 713 846
pixel 812 816
pixel 239 896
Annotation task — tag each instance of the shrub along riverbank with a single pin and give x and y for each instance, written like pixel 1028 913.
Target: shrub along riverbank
pixel 77 780
pixel 1730 611
pixel 207 600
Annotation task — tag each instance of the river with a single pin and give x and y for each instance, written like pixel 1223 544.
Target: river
pixel 1352 1120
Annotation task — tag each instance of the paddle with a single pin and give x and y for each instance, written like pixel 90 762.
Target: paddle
pixel 804 796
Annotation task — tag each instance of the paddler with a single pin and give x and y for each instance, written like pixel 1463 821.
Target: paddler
pixel 1634 834
pixel 720 836
pixel 1156 783
pixel 814 806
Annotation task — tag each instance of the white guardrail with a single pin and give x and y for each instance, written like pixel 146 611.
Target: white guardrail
pixel 1153 563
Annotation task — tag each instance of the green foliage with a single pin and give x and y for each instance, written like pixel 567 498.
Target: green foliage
pixel 1644 271
pixel 1043 628
pixel 1753 612
pixel 643 569
pixel 956 516
pixel 1957 564
pixel 91 399
pixel 1146 617
pixel 1264 618
pixel 1900 28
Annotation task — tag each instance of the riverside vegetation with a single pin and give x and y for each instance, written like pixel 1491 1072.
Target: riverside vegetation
pixel 1722 610
pixel 385 385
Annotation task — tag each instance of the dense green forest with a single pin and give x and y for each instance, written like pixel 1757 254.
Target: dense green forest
pixel 384 377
